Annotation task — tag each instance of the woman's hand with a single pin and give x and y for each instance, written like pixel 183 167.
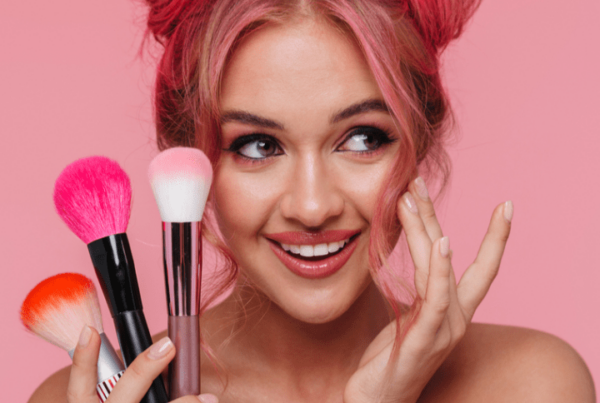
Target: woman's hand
pixel 443 309
pixel 134 383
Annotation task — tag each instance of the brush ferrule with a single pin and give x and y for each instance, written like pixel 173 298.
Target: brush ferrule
pixel 114 266
pixel 182 257
pixel 109 363
pixel 104 388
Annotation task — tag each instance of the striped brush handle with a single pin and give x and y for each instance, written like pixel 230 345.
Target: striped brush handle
pixel 106 386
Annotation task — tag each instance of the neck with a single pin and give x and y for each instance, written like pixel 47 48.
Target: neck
pixel 253 331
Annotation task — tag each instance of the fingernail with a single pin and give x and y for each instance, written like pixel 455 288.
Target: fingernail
pixel 421 188
pixel 160 348
pixel 508 210
pixel 410 203
pixel 85 336
pixel 444 246
pixel 208 398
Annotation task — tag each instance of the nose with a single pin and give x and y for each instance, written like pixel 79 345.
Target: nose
pixel 311 196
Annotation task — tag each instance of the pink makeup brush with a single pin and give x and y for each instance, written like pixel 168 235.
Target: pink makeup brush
pixel 58 308
pixel 93 196
pixel 180 178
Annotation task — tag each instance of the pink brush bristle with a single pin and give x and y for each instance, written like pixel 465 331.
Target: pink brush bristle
pixel 180 162
pixel 93 197
pixel 180 178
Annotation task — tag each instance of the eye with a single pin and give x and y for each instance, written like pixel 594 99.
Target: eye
pixel 365 139
pixel 255 146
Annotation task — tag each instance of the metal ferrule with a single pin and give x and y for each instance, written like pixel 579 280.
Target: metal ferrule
pixel 109 363
pixel 182 257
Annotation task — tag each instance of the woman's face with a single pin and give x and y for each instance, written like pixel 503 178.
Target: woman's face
pixel 308 143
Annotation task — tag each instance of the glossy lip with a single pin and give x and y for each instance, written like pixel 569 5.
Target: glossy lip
pixel 317 269
pixel 311 238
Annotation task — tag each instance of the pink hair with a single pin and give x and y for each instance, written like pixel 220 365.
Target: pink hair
pixel 401 41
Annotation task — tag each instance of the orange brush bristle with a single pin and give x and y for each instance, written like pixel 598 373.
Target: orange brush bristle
pixel 58 308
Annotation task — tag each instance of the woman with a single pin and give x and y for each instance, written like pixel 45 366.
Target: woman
pixel 319 117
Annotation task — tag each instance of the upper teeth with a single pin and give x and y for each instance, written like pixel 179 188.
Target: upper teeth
pixel 321 249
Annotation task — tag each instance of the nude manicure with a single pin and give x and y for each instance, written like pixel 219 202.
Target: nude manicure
pixel 410 203
pixel 85 336
pixel 421 188
pixel 204 398
pixel 444 246
pixel 508 210
pixel 160 348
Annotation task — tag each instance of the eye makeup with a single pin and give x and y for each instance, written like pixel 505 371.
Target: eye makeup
pixel 367 134
pixel 268 143
pixel 372 139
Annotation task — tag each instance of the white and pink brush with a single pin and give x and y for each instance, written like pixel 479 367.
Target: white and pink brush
pixel 180 178
pixel 93 196
pixel 58 308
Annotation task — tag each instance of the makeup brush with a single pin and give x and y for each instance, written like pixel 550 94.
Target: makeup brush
pixel 93 197
pixel 58 308
pixel 180 178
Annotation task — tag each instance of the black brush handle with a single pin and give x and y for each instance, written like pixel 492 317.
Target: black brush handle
pixel 114 267
pixel 134 338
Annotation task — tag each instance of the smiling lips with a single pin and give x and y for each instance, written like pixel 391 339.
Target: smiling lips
pixel 314 255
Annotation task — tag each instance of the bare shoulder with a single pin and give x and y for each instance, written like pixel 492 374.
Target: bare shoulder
pixel 54 388
pixel 510 364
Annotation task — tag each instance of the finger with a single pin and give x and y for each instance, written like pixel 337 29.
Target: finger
pixel 437 298
pixel 208 398
pixel 203 398
pixel 426 209
pixel 138 376
pixel 419 243
pixel 84 372
pixel 456 318
pixel 478 277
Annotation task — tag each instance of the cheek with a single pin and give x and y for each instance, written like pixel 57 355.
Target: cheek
pixel 243 201
pixel 362 185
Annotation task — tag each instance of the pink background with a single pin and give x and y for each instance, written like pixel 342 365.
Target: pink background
pixel 524 79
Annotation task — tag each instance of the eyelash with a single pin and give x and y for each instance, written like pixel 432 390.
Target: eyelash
pixel 383 136
pixel 244 140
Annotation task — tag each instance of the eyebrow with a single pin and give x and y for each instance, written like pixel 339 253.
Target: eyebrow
pixel 255 120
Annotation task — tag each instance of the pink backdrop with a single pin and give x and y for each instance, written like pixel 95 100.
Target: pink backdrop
pixel 525 84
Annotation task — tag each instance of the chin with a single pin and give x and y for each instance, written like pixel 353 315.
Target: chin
pixel 311 301
pixel 317 314
pixel 319 305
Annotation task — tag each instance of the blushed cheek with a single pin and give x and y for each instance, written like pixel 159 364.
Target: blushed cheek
pixel 362 185
pixel 228 198
pixel 243 201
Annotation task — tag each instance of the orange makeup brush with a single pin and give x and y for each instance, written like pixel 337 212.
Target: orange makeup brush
pixel 58 308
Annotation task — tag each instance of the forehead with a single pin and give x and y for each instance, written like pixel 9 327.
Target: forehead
pixel 307 64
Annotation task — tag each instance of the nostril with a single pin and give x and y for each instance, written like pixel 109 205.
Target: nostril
pixel 311 213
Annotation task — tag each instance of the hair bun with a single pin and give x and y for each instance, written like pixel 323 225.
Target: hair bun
pixel 441 21
pixel 164 16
